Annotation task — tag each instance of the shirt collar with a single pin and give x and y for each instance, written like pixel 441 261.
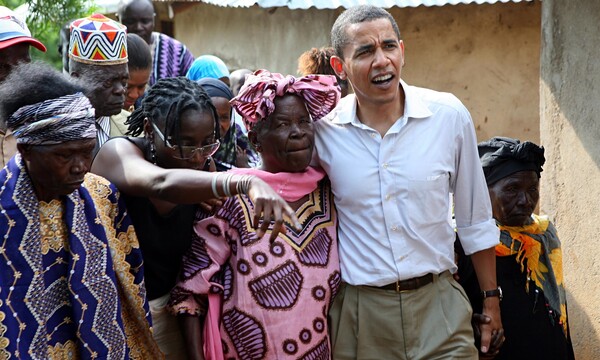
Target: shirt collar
pixel 414 107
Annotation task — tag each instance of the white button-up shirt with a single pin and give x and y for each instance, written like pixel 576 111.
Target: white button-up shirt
pixel 393 193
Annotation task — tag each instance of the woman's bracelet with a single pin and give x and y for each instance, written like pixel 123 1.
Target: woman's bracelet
pixel 243 185
pixel 226 185
pixel 214 186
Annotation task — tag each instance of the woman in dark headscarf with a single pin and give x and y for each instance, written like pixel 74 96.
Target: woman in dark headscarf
pixel 235 150
pixel 528 257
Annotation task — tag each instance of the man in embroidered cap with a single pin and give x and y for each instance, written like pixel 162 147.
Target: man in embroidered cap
pixel 72 274
pixel 15 39
pixel 98 56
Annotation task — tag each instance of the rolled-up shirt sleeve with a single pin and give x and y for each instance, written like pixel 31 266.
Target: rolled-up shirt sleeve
pixel 476 227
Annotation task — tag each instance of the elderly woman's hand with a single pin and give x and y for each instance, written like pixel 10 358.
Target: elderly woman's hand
pixel 497 336
pixel 270 207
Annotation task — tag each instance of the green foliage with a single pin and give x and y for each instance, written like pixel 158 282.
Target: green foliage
pixel 45 20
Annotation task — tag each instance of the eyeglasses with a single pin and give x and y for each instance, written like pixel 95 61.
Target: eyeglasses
pixel 188 152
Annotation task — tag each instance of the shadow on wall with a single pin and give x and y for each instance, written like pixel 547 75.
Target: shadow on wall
pixel 570 132
pixel 570 70
pixel 578 322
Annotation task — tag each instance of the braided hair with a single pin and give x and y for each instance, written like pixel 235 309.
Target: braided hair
pixel 166 101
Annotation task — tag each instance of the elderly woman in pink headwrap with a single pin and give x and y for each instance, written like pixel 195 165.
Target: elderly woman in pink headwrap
pixel 267 299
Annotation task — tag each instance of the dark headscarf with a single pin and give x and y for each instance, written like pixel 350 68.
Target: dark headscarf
pixel 502 156
pixel 215 88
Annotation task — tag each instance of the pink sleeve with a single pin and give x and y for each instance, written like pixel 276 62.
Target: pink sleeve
pixel 208 251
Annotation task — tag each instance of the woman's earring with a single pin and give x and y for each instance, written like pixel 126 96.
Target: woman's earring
pixel 258 147
pixel 152 149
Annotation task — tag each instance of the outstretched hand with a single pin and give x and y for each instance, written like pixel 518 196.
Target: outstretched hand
pixel 269 206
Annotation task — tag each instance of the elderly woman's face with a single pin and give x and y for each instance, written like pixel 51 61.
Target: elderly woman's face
pixel 286 140
pixel 515 197
pixel 57 170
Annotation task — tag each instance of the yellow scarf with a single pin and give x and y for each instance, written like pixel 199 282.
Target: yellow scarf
pixel 539 245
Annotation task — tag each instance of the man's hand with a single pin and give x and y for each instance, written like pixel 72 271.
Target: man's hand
pixel 484 262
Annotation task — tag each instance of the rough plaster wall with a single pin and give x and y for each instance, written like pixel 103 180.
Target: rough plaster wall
pixel 254 37
pixel 569 92
pixel 487 55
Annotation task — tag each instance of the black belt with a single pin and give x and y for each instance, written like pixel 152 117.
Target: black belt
pixel 408 284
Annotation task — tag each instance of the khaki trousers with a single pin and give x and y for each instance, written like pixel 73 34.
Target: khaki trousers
pixel 432 322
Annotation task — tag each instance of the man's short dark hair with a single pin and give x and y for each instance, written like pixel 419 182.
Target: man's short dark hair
pixel 356 15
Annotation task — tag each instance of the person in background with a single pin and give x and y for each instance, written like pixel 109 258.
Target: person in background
pixel 237 78
pixel 15 40
pixel 72 284
pixel 267 299
pixel 235 149
pixel 64 37
pixel 139 66
pixel 318 61
pixel 98 57
pixel 208 66
pixel 528 257
pixel 170 57
pixel 394 153
pixel 160 178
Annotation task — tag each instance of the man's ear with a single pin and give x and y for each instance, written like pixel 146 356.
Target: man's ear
pixel 338 66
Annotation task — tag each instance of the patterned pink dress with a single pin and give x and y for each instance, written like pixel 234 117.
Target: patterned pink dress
pixel 275 296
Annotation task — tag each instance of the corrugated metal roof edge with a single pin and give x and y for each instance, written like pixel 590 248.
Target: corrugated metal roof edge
pixel 291 4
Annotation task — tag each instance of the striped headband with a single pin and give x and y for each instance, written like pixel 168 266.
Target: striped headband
pixel 54 121
pixel 98 40
pixel 255 100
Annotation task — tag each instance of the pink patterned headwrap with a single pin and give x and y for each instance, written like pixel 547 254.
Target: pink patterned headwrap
pixel 255 100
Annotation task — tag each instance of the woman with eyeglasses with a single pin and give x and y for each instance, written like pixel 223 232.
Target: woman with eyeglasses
pixel 158 177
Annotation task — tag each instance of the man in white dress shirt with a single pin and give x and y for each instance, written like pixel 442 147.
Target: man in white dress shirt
pixel 394 154
pixel 98 56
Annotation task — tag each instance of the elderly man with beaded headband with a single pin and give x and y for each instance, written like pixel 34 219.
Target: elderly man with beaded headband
pixel 98 56
pixel 72 273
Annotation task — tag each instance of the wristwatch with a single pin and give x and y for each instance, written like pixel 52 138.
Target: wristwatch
pixel 492 293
